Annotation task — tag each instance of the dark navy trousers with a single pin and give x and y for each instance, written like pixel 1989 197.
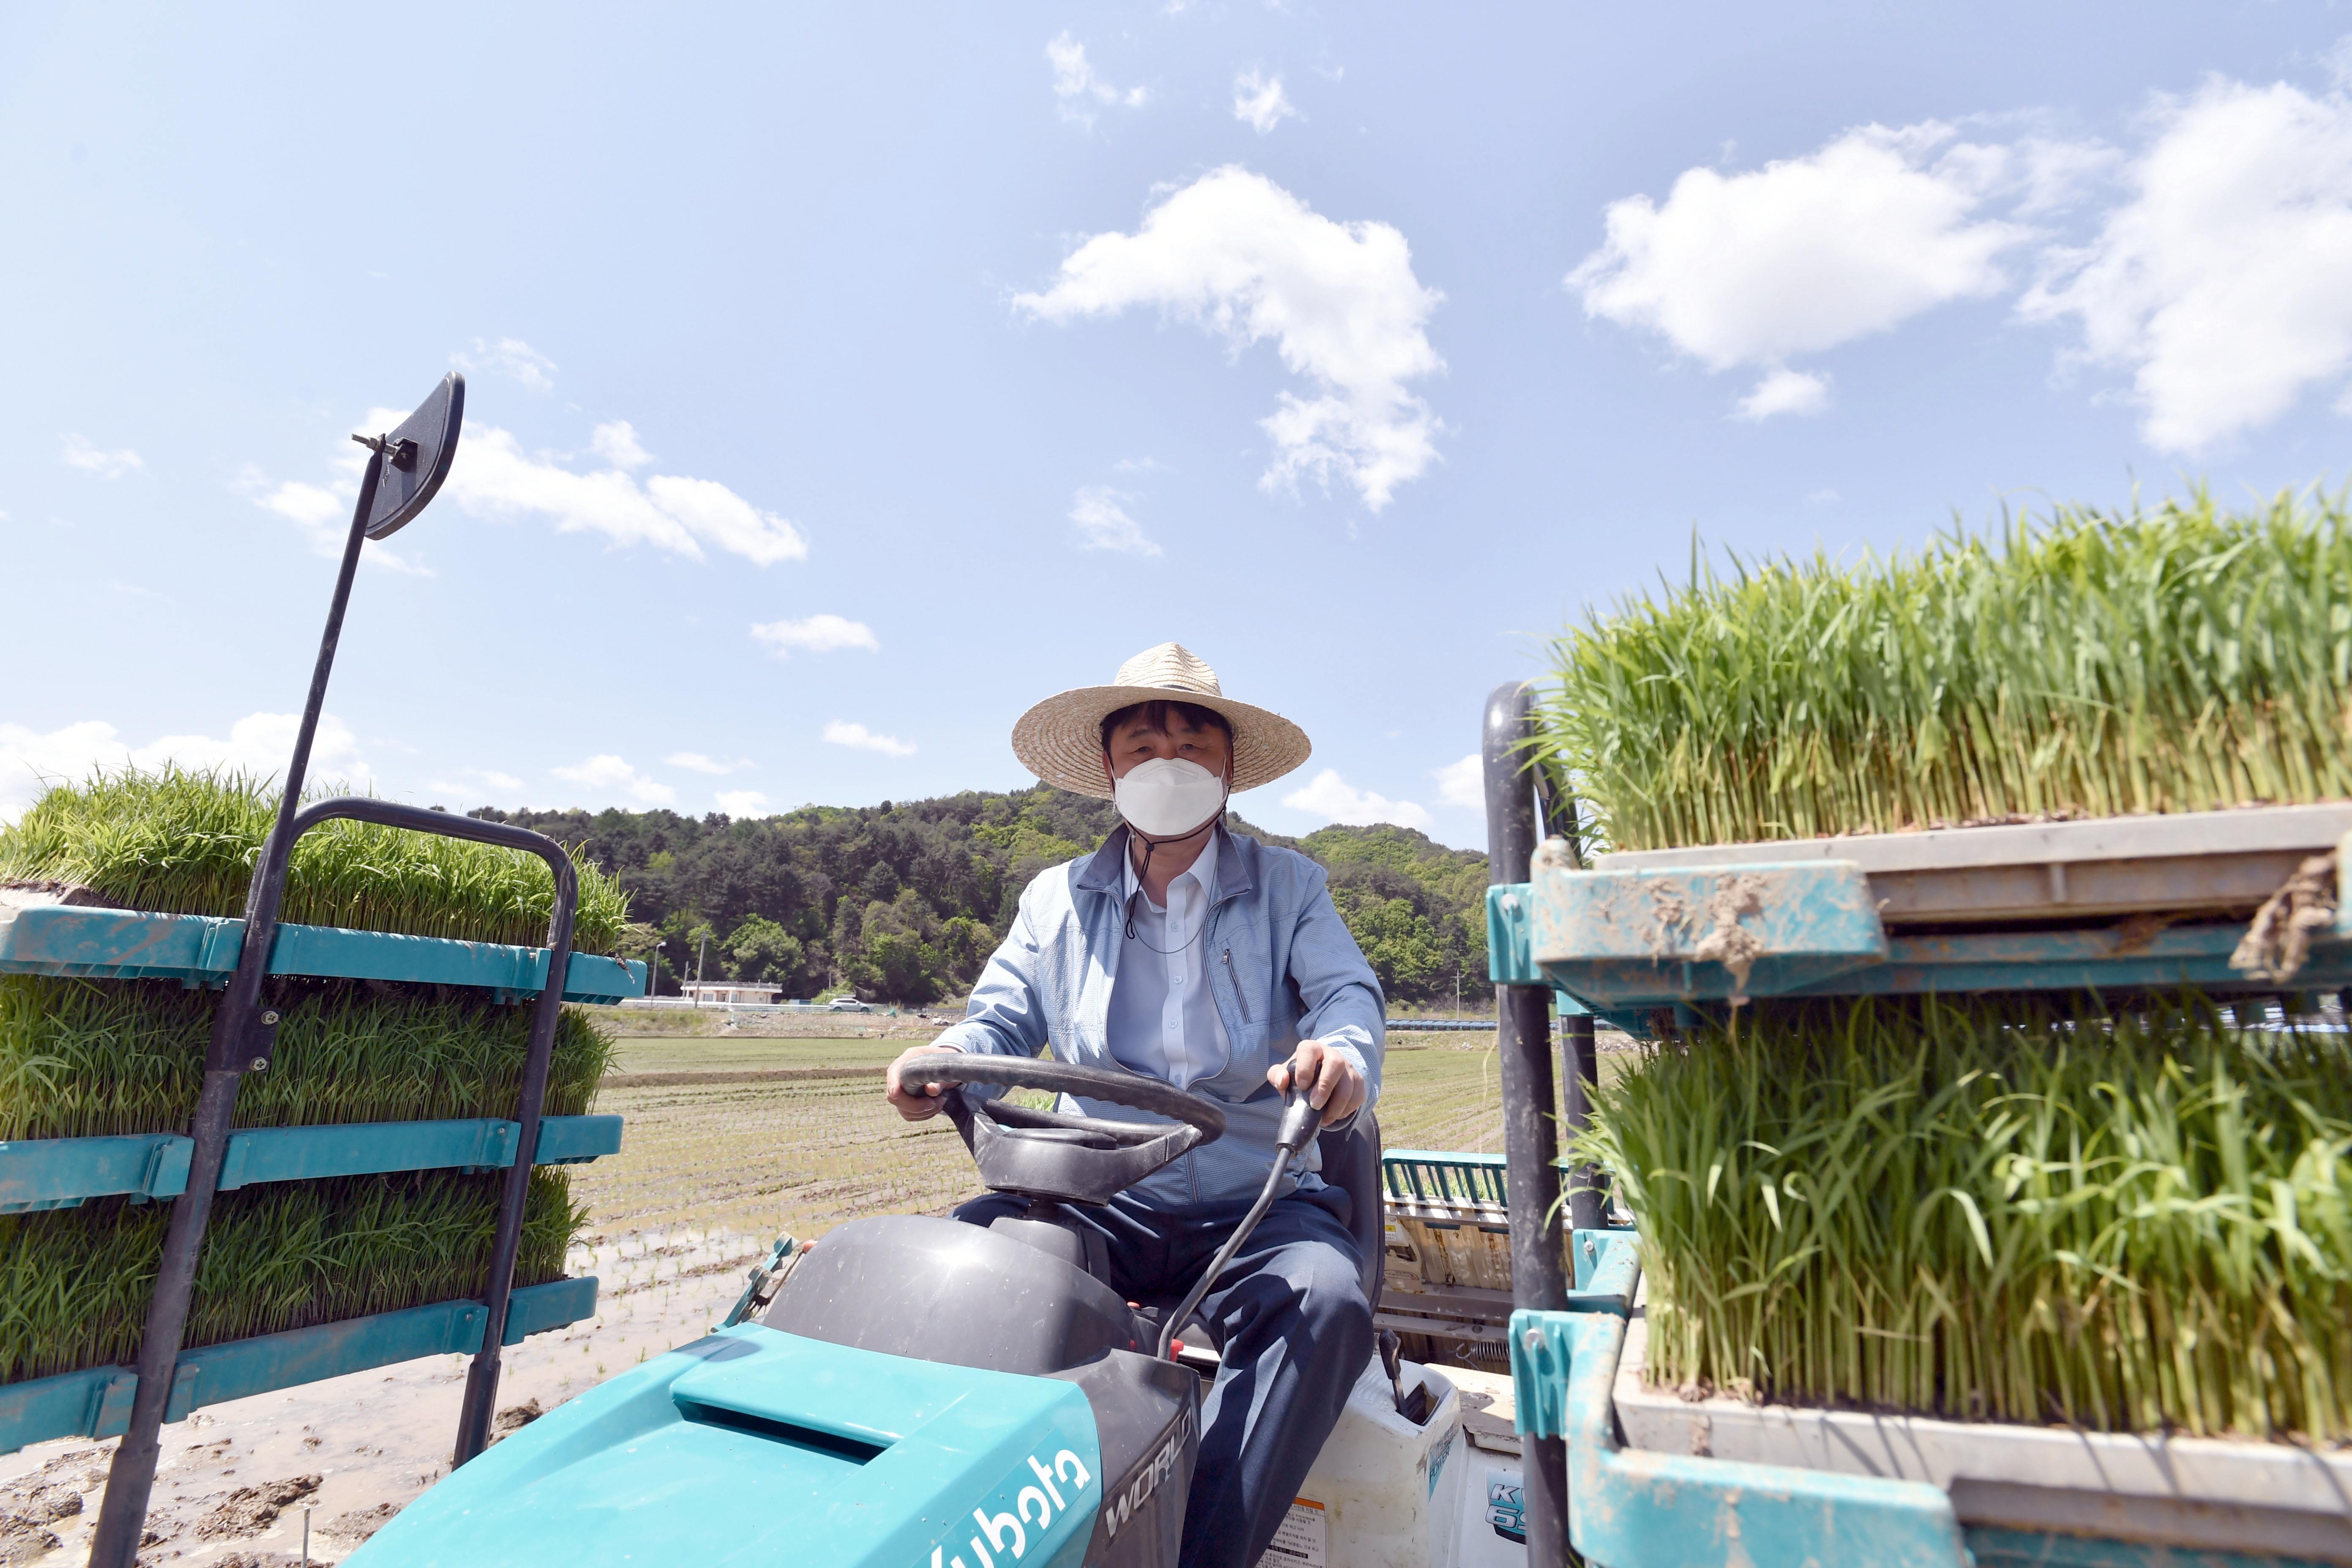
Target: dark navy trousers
pixel 1295 1332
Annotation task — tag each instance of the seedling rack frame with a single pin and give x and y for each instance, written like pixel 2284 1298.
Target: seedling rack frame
pixel 405 468
pixel 1652 941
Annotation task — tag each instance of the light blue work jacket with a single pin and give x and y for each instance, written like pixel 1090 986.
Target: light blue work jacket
pixel 1282 967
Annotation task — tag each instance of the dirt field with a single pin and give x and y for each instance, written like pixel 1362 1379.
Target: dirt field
pixel 733 1138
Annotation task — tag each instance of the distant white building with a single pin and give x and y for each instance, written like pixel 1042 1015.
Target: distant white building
pixel 725 993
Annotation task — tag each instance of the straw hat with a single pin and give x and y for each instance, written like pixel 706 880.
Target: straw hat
pixel 1060 740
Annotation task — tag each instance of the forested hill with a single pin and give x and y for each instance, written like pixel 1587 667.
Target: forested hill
pixel 904 901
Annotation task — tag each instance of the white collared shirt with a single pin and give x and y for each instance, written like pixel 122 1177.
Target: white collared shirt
pixel 1163 1018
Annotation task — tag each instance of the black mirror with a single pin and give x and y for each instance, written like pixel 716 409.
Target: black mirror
pixel 416 456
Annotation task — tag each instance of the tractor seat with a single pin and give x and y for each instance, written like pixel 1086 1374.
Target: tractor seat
pixel 1351 1163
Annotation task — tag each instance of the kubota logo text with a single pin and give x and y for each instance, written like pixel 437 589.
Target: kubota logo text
pixel 1009 1533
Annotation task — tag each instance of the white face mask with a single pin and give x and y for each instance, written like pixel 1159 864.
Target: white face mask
pixel 1167 797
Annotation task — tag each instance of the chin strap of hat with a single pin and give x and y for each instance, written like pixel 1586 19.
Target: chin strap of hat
pixel 1138 835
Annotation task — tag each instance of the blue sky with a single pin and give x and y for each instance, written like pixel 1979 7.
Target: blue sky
pixel 844 380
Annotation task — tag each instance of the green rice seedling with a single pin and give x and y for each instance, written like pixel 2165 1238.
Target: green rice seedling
pixel 1991 1211
pixel 83 1058
pixel 2089 664
pixel 75 1283
pixel 187 843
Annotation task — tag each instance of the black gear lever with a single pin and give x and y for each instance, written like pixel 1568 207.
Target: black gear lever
pixel 1301 1119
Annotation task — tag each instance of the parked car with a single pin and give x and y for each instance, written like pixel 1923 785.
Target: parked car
pixel 849 1005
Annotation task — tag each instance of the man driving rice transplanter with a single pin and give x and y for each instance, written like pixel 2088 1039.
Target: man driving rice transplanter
pixel 1218 964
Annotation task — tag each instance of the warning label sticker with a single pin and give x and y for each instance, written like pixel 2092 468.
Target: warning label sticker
pixel 1301 1540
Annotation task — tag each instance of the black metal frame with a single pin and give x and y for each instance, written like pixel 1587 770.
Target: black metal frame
pixel 1531 1137
pixel 244 1039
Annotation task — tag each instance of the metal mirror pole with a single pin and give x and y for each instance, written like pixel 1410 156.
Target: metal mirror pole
pixel 242 1037
pixel 1530 1140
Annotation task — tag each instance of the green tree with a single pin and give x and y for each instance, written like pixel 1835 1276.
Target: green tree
pixel 760 949
pixel 951 872
pixel 897 957
pixel 1401 946
pixel 965 945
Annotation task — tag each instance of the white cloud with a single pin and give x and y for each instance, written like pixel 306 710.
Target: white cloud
pixel 2057 175
pixel 494 477
pixel 323 512
pixel 742 802
pixel 510 357
pixel 1076 88
pixel 311 507
pixel 1239 256
pixel 477 783
pixel 1103 522
pixel 1786 391
pixel 2224 282
pixel 79 453
pixel 30 761
pixel 1260 103
pixel 262 743
pixel 610 776
pixel 616 442
pixel 842 733
pixel 1330 796
pixel 1808 253
pixel 258 743
pixel 1462 783
pixel 696 762
pixel 710 510
pixel 816 634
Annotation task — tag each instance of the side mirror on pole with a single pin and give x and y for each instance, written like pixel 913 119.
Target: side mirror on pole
pixel 404 470
pixel 416 458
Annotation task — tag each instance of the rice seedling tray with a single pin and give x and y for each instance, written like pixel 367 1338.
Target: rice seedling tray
pixel 2116 904
pixel 96 1401
pixel 2206 1491
pixel 1657 1480
pixel 2218 863
pixel 49 938
pixel 1453 1208
pixel 1449 1225
pixel 64 1172
pixel 2179 658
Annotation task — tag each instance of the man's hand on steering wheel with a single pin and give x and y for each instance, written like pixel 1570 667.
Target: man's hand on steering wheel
pixel 915 1101
pixel 1334 1084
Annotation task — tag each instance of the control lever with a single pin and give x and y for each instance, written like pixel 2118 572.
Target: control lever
pixel 1301 1120
pixel 1414 1406
pixel 766 1278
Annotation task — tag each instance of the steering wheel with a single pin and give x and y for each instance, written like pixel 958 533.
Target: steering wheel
pixel 1049 1155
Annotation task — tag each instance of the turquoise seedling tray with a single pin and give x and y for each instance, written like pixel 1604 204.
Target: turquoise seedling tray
pixel 64 1173
pixel 202 949
pixel 96 1401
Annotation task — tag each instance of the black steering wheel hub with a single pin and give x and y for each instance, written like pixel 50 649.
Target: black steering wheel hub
pixel 1049 1154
